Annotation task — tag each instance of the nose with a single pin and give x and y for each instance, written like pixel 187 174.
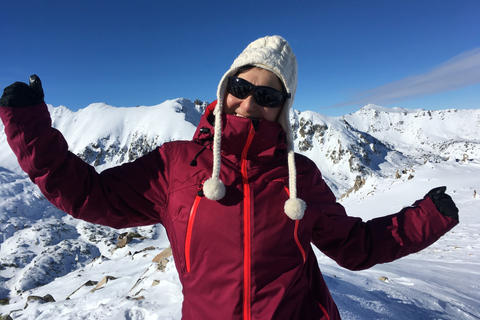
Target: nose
pixel 249 104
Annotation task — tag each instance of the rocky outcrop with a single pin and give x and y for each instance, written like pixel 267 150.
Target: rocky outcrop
pixel 127 237
pixel 45 299
pixel 148 278
pixel 163 258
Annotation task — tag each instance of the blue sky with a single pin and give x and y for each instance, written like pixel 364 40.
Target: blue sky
pixel 414 54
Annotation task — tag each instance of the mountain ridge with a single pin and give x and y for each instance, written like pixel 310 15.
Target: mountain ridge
pixel 372 140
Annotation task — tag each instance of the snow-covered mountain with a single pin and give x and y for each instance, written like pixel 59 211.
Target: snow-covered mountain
pixel 376 161
pixel 381 141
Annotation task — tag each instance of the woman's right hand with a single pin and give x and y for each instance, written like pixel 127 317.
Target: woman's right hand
pixel 20 94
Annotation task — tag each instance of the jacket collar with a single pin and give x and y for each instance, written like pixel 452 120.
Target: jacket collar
pixel 269 139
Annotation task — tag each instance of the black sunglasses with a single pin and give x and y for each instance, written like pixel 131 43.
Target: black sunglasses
pixel 264 96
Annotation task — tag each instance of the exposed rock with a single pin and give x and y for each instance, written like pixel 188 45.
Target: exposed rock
pixel 144 249
pixel 102 283
pixel 109 149
pixel 97 234
pixel 398 175
pixel 139 280
pixel 307 130
pixel 89 283
pixel 162 264
pixel 44 299
pixel 127 237
pixel 164 254
pixel 359 182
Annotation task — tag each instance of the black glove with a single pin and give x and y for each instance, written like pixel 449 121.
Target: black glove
pixel 20 94
pixel 444 202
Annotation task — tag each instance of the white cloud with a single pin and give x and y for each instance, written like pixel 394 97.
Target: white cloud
pixel 458 72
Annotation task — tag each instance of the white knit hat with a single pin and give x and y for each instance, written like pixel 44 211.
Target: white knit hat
pixel 272 53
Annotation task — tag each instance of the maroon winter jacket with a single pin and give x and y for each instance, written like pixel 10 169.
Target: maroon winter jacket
pixel 240 257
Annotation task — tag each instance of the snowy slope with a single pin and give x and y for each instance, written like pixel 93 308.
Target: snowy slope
pixel 397 154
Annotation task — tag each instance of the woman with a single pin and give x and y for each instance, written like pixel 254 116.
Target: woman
pixel 241 238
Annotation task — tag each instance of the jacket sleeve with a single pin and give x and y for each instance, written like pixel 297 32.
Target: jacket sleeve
pixel 356 245
pixel 129 195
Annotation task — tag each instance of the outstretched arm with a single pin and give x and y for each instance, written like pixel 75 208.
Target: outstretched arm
pixel 129 195
pixel 356 245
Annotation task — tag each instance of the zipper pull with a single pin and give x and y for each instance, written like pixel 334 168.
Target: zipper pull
pixel 193 163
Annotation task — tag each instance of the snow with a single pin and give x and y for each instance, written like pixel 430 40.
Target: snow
pixel 440 282
pixel 44 251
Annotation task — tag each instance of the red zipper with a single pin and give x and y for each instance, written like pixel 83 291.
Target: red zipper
pixel 295 234
pixel 323 309
pixel 247 249
pixel 188 238
pixel 299 245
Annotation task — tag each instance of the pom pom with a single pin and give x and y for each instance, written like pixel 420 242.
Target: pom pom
pixel 295 208
pixel 214 189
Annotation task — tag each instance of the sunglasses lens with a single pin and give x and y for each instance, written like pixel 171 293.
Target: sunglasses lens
pixel 240 88
pixel 270 98
pixel 264 96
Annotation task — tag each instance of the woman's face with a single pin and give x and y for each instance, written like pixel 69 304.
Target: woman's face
pixel 248 107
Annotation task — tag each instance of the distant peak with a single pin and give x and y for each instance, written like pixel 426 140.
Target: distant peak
pixel 378 108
